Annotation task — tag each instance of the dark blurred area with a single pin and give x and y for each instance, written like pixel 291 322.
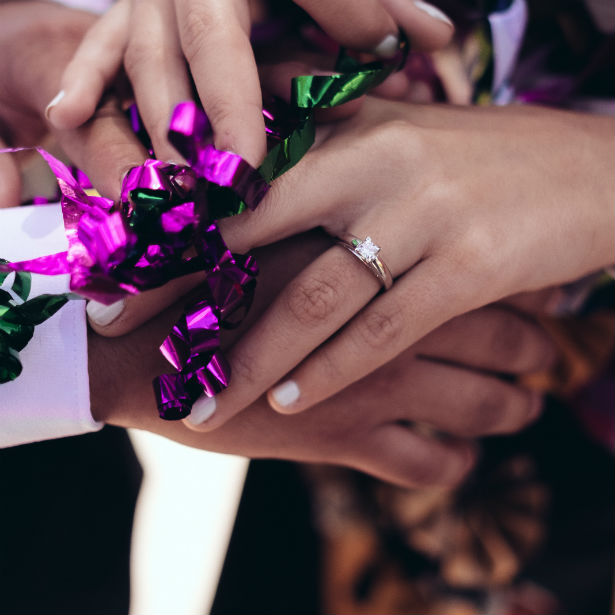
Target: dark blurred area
pixel 66 511
pixel 531 532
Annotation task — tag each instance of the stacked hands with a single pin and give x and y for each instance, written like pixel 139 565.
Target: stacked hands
pixel 470 206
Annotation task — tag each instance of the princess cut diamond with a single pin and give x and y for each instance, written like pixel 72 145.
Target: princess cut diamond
pixel 367 250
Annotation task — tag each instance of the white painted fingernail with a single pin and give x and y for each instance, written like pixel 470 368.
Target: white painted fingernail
pixel 388 46
pixel 103 315
pixel 202 410
pixel 433 11
pixel 286 393
pixel 55 100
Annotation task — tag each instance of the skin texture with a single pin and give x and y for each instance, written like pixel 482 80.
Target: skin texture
pixel 162 43
pixel 371 425
pixel 469 205
pixel 37 40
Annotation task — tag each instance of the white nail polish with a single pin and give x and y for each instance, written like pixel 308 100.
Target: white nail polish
pixel 388 46
pixel 55 100
pixel 433 11
pixel 203 409
pixel 103 315
pixel 286 393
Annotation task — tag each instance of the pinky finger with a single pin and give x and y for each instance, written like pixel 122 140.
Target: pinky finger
pixel 399 455
pixel 10 179
pixel 94 65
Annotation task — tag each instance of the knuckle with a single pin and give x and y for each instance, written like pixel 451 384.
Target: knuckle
pixel 413 139
pixel 221 111
pixel 195 28
pixel 138 53
pixel 477 253
pixel 313 299
pixel 158 128
pixel 243 370
pixel 380 328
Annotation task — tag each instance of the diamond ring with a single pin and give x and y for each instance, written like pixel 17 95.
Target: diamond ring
pixel 367 252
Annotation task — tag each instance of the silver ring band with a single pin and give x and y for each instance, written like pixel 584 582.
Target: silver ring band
pixel 367 252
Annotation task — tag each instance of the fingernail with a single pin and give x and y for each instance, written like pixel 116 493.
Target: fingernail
pixel 388 46
pixel 433 11
pixel 285 394
pixel 56 99
pixel 103 315
pixel 202 410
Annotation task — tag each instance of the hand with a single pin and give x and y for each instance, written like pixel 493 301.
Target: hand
pixel 468 205
pixel 37 39
pixel 152 38
pixel 441 383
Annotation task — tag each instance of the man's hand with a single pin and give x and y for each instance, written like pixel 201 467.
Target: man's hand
pixel 446 383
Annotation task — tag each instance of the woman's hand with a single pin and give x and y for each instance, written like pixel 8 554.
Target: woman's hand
pixel 468 206
pixel 446 383
pixel 37 39
pixel 154 38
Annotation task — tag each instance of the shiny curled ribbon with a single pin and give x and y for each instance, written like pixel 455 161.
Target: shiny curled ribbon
pixel 193 347
pixel 164 225
pixel 18 317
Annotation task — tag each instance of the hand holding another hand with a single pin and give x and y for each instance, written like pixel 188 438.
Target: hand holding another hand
pixel 164 44
pixel 446 383
pixel 468 205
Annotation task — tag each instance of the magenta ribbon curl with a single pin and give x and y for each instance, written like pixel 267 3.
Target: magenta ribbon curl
pixel 165 211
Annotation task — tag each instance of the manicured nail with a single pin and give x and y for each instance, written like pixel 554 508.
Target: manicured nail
pixel 433 11
pixel 286 393
pixel 388 46
pixel 202 410
pixel 103 315
pixel 56 99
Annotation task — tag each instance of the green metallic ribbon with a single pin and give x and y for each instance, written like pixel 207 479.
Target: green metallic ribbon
pixel 18 317
pixel 310 92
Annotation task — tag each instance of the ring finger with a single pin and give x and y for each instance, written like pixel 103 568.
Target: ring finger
pixel 307 312
pixel 157 70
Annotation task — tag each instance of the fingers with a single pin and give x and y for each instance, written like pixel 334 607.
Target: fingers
pixel 427 27
pixel 10 179
pixel 155 65
pixel 454 400
pixel 327 202
pixel 93 67
pixel 419 302
pixel 215 40
pixel 362 25
pixel 398 455
pixel 105 148
pixel 494 339
pixel 127 314
pixel 308 310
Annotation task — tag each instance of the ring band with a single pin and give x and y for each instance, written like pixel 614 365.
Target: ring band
pixel 367 252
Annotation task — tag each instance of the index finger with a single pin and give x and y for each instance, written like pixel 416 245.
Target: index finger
pixel 215 39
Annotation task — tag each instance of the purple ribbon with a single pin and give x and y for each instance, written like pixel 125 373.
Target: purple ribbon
pixel 165 211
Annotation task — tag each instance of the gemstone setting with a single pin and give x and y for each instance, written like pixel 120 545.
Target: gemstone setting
pixel 366 249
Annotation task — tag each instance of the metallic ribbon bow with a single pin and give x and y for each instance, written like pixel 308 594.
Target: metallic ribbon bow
pixel 167 211
pixel 18 317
